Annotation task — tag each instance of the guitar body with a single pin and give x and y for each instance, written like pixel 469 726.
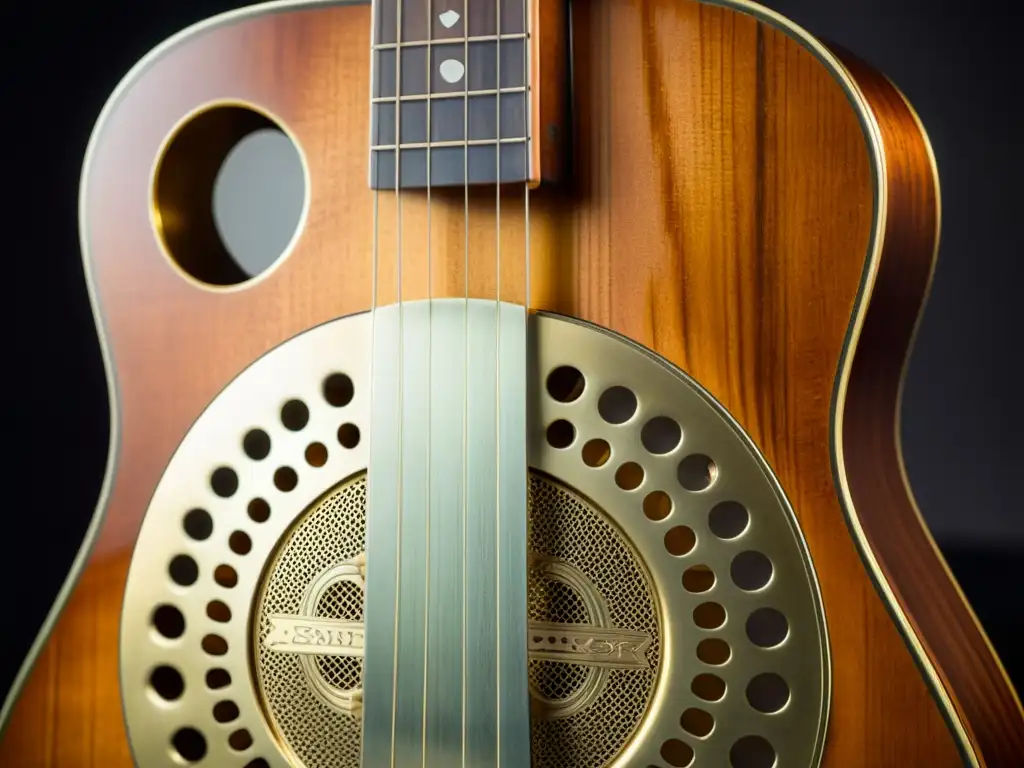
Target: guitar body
pixel 757 211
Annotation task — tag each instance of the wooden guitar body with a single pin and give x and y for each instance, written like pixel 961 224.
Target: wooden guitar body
pixel 757 210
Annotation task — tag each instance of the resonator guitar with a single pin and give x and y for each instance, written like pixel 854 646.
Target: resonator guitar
pixel 562 431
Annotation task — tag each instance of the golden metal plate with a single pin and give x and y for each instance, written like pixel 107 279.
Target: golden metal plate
pixel 674 612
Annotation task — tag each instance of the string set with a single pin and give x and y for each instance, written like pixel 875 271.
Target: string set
pixel 466 361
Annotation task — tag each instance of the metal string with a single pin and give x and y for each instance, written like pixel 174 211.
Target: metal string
pixel 465 389
pixel 401 371
pixel 497 362
pixel 401 344
pixel 430 371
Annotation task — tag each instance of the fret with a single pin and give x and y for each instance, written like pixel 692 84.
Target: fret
pixel 435 97
pixel 449 119
pixel 480 39
pixel 441 144
pixel 447 165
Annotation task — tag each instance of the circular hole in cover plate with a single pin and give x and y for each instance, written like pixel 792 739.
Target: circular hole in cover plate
pixel 752 752
pixel 183 570
pixel 198 524
pixel 617 405
pixel 561 434
pixel 565 384
pixel 676 753
pixel 680 540
pixel 259 510
pixel 316 454
pixel 596 453
pixel 215 645
pixel 218 611
pixel 257 762
pixel 629 476
pixel 657 505
pixel 728 519
pixel 225 576
pixel 190 744
pixel 697 472
pixel 697 722
pixel 713 651
pixel 751 570
pixel 767 692
pixel 708 687
pixel 217 678
pixel 224 482
pixel 285 479
pixel 256 444
pixel 169 621
pixel 225 711
pixel 698 578
pixel 167 682
pixel 294 415
pixel 338 390
pixel 240 543
pixel 661 435
pixel 767 627
pixel 709 615
pixel 240 740
pixel 348 435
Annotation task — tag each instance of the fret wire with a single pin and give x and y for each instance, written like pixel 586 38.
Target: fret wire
pixel 452 95
pixel 437 144
pixel 451 41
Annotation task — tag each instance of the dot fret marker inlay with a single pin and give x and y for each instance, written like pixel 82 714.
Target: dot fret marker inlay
pixel 452 70
pixel 449 18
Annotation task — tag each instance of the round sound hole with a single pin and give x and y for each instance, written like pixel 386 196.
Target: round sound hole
pixel 229 194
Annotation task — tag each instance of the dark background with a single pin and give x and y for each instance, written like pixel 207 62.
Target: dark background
pixel 958 63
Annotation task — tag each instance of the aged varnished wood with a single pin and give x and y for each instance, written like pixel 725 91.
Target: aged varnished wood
pixel 722 214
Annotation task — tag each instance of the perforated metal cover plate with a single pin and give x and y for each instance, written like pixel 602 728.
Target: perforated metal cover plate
pixel 651 512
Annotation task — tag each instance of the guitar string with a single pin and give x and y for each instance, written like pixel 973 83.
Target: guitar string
pixel 465 363
pixel 497 362
pixel 401 339
pixel 375 176
pixel 430 398
pixel 401 376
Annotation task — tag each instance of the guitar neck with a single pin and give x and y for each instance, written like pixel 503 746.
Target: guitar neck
pixel 458 91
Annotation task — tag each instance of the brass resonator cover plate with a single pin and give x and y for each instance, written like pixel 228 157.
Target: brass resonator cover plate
pixel 655 523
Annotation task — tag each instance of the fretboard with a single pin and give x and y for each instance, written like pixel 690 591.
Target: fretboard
pixel 451 93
